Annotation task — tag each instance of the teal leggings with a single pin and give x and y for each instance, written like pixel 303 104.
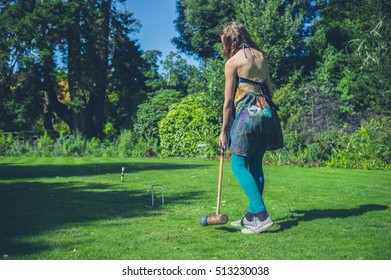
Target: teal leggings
pixel 248 171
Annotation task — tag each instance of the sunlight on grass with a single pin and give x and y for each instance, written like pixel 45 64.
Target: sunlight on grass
pixel 78 208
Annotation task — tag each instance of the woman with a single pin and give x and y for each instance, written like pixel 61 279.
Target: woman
pixel 250 122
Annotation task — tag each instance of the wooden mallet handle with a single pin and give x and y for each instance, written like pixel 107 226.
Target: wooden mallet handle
pixel 219 186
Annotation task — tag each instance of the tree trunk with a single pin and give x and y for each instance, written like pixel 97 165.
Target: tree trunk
pixel 48 117
pixel 51 102
pixel 97 100
pixel 75 76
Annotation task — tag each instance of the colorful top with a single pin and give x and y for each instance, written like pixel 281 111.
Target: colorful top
pixel 255 121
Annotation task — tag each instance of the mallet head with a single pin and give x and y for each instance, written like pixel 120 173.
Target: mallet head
pixel 219 219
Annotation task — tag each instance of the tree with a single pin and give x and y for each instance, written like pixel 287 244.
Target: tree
pixel 30 35
pixel 360 30
pixel 279 27
pixel 154 79
pixel 83 32
pixel 275 26
pixel 126 87
pixel 199 23
pixel 176 73
pixel 87 29
pixel 152 111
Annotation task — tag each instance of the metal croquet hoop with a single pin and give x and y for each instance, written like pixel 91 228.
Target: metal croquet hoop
pixel 153 193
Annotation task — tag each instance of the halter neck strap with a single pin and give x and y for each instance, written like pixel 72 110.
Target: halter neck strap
pixel 245 46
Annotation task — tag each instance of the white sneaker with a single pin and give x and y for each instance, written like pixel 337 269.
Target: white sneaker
pixel 243 222
pixel 257 226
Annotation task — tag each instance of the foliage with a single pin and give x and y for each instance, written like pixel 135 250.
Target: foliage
pixel 129 145
pixel 5 143
pixel 189 125
pixel 93 41
pixel 20 100
pixel 275 25
pixel 72 67
pixel 152 111
pixel 199 24
pixel 176 73
pixel 77 145
pixel 126 83
pixel 70 145
pixel 97 148
pixel 360 30
pixel 44 145
pixel 109 131
pixel 369 147
pixel 154 80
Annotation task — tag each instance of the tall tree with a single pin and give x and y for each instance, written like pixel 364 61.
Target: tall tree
pixel 199 23
pixel 83 32
pixel 29 40
pixel 277 27
pixel 360 30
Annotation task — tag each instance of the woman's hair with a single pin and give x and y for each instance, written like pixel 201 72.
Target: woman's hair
pixel 234 36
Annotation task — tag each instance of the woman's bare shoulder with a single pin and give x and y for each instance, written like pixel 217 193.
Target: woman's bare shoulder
pixel 231 64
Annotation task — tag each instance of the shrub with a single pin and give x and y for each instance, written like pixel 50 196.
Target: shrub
pixel 308 148
pixel 189 124
pixel 126 143
pixel 70 145
pixel 144 148
pixel 95 148
pixel 5 143
pixel 44 146
pixel 18 149
pixel 311 155
pixel 152 111
pixel 369 147
pixel 109 130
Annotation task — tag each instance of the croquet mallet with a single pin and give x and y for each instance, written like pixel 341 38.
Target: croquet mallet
pixel 217 219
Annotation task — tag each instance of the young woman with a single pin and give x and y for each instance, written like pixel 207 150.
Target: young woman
pixel 250 122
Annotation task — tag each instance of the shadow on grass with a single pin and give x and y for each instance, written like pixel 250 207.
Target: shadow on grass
pixel 31 209
pixel 15 171
pixel 228 229
pixel 315 214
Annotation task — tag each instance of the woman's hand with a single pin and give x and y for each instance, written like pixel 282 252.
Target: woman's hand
pixel 223 140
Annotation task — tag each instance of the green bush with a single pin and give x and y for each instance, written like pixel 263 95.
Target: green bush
pixel 20 148
pixel 144 148
pixel 311 155
pixel 126 143
pixel 5 143
pixel 190 128
pixel 330 140
pixel 95 147
pixel 70 145
pixel 109 130
pixel 44 146
pixel 308 149
pixel 151 112
pixel 369 147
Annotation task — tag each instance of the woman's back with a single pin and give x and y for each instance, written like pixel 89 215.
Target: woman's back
pixel 250 64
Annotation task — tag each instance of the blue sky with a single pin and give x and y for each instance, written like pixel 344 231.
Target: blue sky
pixel 157 24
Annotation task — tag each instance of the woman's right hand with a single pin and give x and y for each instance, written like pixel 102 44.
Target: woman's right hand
pixel 223 140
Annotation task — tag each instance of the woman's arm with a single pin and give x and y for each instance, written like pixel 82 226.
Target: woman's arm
pixel 229 93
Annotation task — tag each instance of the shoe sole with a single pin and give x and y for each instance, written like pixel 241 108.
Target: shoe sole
pixel 239 224
pixel 248 230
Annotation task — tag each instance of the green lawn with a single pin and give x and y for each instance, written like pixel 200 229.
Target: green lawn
pixel 78 208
